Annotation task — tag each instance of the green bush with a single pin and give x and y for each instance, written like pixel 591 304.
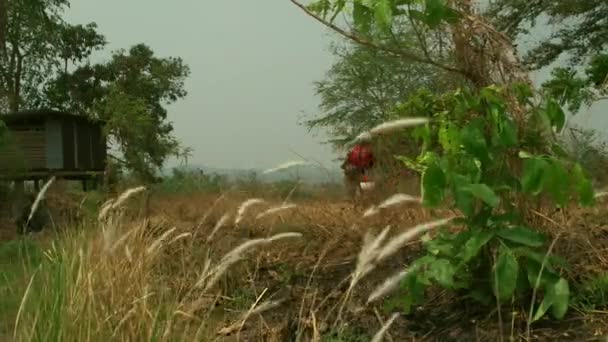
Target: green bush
pixel 479 161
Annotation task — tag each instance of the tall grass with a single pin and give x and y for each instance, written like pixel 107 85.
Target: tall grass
pixel 93 285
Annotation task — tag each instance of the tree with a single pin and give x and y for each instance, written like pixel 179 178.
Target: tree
pixel 580 34
pixel 43 64
pixel 130 93
pixel 580 28
pixel 363 88
pixel 28 55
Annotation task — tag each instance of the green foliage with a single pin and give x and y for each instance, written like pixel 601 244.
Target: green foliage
pixel 130 91
pixel 466 165
pixel 183 181
pixel 575 90
pixel 365 86
pixel 571 22
pixel 592 293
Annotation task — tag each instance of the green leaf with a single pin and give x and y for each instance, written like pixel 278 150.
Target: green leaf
pixel 409 163
pixel 533 269
pixel 557 297
pixel 506 270
pixel 464 199
pixel 543 307
pixel 383 13
pixel 439 247
pixel 525 155
pixel 583 186
pixel 433 185
pixel 522 235
pixel 474 141
pixel 556 115
pixel 484 193
pixel 480 295
pixel 533 175
pixel 417 15
pixel 442 271
pixel 508 133
pixel 362 17
pixel 474 245
pixel 556 183
pixel 448 137
pixel 561 297
pixel 338 7
pixel 434 12
pixel 537 257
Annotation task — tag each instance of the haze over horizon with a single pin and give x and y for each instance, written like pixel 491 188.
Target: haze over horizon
pixel 249 84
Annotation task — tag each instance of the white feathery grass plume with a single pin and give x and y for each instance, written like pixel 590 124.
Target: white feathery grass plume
pixel 221 222
pixel 105 208
pixel 180 236
pixel 397 199
pixel 275 210
pixel 367 255
pixel 210 209
pixel 265 306
pixel 397 242
pixel 373 210
pixel 394 125
pixel 157 243
pixel 285 166
pixel 286 200
pixel 380 334
pixel 111 205
pixel 38 199
pixel 122 239
pixel 126 195
pixel 389 202
pixel 282 236
pixel 601 194
pixel 244 206
pixel 234 256
pixel 388 285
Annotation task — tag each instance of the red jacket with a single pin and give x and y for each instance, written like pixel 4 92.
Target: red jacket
pixel 361 157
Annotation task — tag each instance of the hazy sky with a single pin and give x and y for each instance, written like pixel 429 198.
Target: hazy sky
pixel 253 65
pixel 252 62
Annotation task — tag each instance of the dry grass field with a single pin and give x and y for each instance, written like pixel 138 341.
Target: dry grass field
pixel 179 267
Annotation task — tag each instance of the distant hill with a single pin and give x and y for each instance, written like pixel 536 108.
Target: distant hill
pixel 306 173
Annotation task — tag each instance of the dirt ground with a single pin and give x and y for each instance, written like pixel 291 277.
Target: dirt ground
pixel 308 277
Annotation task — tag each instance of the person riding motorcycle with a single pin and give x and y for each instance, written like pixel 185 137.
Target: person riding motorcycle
pixel 358 163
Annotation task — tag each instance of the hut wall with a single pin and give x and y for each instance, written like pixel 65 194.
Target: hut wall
pixel 28 147
pixel 54 145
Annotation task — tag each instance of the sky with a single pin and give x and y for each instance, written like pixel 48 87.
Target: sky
pixel 253 64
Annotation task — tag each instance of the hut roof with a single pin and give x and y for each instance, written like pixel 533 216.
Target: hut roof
pixel 42 114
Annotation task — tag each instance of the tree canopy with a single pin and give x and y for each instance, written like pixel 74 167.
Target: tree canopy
pixel 44 62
